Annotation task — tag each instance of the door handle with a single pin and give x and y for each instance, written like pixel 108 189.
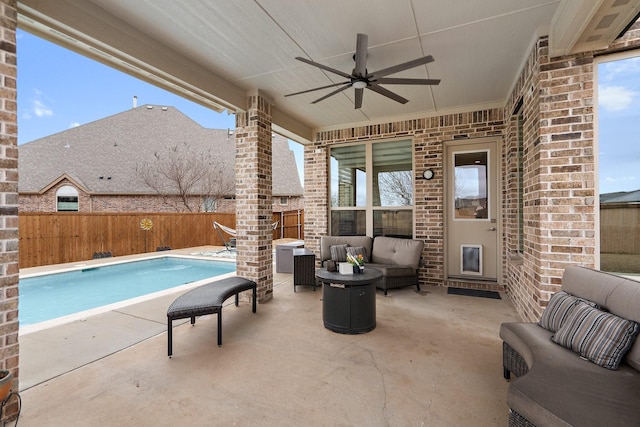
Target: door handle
pixel 491 229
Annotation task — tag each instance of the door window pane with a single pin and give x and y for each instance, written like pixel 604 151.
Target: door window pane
pixel 470 185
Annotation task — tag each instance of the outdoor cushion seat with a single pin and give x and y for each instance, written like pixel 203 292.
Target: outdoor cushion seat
pixel 556 386
pixel 398 259
pixel 207 299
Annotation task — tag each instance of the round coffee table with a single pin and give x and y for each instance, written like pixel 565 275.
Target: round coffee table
pixel 349 300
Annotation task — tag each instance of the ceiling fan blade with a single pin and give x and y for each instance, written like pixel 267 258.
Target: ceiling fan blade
pixel 397 81
pixel 324 67
pixel 359 95
pixel 402 67
pixel 361 55
pixel 385 92
pixel 347 86
pixel 317 88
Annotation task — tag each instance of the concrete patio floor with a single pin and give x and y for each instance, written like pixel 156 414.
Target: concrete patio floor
pixel 433 360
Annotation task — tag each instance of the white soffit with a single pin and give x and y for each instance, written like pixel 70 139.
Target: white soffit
pixel 587 25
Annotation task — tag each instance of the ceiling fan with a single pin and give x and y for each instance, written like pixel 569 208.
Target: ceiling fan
pixel 361 79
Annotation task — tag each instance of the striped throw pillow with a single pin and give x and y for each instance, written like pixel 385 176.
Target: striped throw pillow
pixel 601 337
pixel 557 310
pixel 338 252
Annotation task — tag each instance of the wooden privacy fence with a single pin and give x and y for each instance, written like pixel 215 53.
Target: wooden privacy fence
pixel 620 229
pixel 58 237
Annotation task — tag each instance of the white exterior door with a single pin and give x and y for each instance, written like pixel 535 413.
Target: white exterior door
pixel 472 210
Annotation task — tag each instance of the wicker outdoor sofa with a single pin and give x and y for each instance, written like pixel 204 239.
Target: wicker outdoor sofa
pixel 398 259
pixel 595 379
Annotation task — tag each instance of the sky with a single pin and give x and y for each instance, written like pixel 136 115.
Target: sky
pixel 59 89
pixel 619 125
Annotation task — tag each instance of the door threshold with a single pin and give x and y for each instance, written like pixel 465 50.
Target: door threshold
pixel 465 283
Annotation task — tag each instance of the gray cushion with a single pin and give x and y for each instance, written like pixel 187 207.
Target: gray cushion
pixel 561 389
pixel 600 337
pixel 560 305
pixel 391 250
pixel 339 253
pixel 391 270
pixel 358 250
pixel 616 294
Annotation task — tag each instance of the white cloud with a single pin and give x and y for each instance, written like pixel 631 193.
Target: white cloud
pixel 74 125
pixel 624 67
pixel 611 179
pixel 615 98
pixel 37 106
pixel 40 109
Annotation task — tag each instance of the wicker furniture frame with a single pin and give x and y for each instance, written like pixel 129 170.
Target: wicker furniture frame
pixel 512 362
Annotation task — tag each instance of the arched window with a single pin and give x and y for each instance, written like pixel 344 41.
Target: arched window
pixel 67 199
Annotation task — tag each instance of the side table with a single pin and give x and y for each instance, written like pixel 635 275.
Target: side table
pixel 304 268
pixel 284 256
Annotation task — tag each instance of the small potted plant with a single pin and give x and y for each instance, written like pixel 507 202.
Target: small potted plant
pixel 357 261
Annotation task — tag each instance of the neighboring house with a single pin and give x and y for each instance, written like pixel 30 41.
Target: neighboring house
pixel 97 167
pixel 626 197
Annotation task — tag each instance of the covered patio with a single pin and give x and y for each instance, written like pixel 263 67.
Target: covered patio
pixel 439 366
pixel 517 83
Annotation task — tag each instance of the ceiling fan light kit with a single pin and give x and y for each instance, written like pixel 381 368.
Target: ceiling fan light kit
pixel 361 79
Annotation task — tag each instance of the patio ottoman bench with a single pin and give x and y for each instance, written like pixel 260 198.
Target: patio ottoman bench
pixel 207 299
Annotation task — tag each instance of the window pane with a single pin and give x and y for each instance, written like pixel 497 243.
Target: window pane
pixel 348 176
pixel 392 174
pixel 470 185
pixel 393 223
pixel 520 183
pixel 618 157
pixel 67 204
pixel 209 204
pixel 348 223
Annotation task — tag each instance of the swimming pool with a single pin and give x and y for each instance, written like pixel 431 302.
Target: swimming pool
pixel 56 295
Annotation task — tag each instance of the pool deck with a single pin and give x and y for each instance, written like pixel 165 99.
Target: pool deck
pixel 433 359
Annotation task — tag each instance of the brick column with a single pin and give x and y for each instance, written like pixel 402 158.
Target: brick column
pixel 9 196
pixel 253 194
pixel 316 196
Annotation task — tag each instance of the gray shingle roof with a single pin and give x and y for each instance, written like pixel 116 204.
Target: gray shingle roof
pixel 116 145
pixel 621 197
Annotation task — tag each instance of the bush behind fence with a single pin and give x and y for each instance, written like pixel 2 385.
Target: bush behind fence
pixel 59 237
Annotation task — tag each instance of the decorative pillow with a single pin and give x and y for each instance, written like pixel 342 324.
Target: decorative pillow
pixel 339 253
pixel 601 337
pixel 358 250
pixel 557 310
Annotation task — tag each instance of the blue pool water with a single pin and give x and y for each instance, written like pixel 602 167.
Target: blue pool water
pixel 56 295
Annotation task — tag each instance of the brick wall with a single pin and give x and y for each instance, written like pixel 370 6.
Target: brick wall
pixel 9 196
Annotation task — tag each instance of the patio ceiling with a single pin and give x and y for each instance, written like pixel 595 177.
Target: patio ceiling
pixel 218 52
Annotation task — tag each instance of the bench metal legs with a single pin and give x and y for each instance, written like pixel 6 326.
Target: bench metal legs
pixel 214 310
